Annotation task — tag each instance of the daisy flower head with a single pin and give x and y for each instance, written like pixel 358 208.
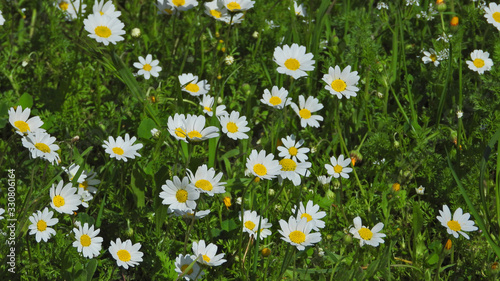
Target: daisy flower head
pixel 341 82
pixel 87 242
pixel 207 103
pixel 40 222
pixel 182 263
pixel 177 126
pixel 41 144
pixel 104 29
pixel 125 253
pixel 191 85
pixel 182 5
pixel 85 197
pixel 234 19
pixel 292 149
pixel 265 228
pixel 458 224
pixel 18 118
pixel 371 237
pixel 480 61
pixel 165 8
pixel 234 126
pixel 121 149
pixel 206 254
pixel 293 60
pixel 420 190
pixel 311 213
pixel 215 10
pixel 72 170
pixel 189 214
pixel 298 233
pixel 179 194
pixel 251 223
pixel 206 181
pixel 492 14
pixel 339 167
pixel 196 131
pixel 292 170
pixel 147 67
pixel 89 183
pixel 262 165
pixel 324 180
pixel 237 5
pixel 431 56
pixel 71 8
pixel 305 109
pixel 277 98
pixel 105 9
pixel 300 10
pixel 65 200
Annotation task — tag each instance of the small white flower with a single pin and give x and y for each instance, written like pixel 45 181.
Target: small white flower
pixel 155 132
pixel 262 165
pixel 190 84
pixel 492 14
pixel 106 9
pixel 229 59
pixel 41 144
pixel 293 60
pixel 292 149
pixel 64 200
pixel 125 253
pixel 277 98
pixel 234 126
pixel 182 5
pixel 431 56
pixel 341 82
pixel 382 5
pixel 87 242
pixel 371 237
pixel 292 170
pixel 180 195
pixel 18 118
pixel 480 61
pixel 339 167
pixel 298 233
pixel 324 180
pixel 196 131
pixel 311 213
pixel 305 109
pixel 148 67
pixel 460 113
pixel 136 32
pixel 71 8
pixel 207 254
pixel 300 10
pixel 40 222
pixel 458 224
pixel 121 149
pixel 237 5
pixel 104 29
pixel 182 263
pixel 420 190
pixel 206 181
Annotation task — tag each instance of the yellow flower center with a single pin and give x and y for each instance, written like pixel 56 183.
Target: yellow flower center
pixel 231 127
pixel 496 16
pixel 305 113
pixel 168 11
pixel 147 67
pixel 178 3
pixel 292 64
pixel 123 255
pixel 206 258
pixel 454 225
pixel 64 5
pixel 181 195
pixel 433 57
pixel 216 14
pixel 478 63
pixel 85 240
pixel 83 185
pixel 338 85
pixel 42 147
pixel 306 215
pixel 58 201
pixel 233 6
pixel 365 233
pixel 22 126
pixel 208 109
pixel 180 133
pixel 41 225
pixel 250 225
pixel 275 101
pixel 288 165
pixel 118 150
pixel 192 88
pixel 337 169
pixel 183 269
pixel 260 169
pixel 293 151
pixel 297 237
pixel 194 134
pixel 102 31
pixel 100 12
pixel 204 184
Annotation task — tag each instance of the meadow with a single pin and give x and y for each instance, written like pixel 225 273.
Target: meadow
pixel 249 140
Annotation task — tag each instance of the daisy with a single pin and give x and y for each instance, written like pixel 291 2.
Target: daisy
pixel 300 10
pixel 232 19
pixel 292 149
pixel 183 5
pixel 18 118
pixel 493 14
pixel 147 67
pixel 292 170
pixel 458 224
pixel 165 8
pixel 277 98
pixel 237 5
pixel 71 8
pixel 87 242
pixel 40 222
pixel 206 254
pixel 208 102
pixel 262 165
pixel 85 197
pixel 305 110
pixel 480 61
pixel 183 262
pixel 104 29
pixel 251 223
pixel 89 183
pixel 431 56
pixel 293 60
pixel 41 144
pixel 215 10
pixel 310 212
pixel 366 236
pixel 64 200
pixel 179 194
pixel 189 214
pixel 339 168
pixel 324 180
pixel 264 230
pixel 121 149
pixel 72 170
pixel 125 253
pixel 234 126
pixel 190 84
pixel 298 233
pixel 420 190
pixel 105 9
pixel 196 131
pixel 341 82
pixel 206 181
pixel 177 126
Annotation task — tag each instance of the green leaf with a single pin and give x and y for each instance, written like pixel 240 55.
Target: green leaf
pixel 26 100
pixel 91 268
pixel 433 259
pixel 229 225
pixel 144 130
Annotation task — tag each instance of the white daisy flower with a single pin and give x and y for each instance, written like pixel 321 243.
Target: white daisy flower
pixel 492 14
pixel 382 5
pixel 87 242
pixel 41 144
pixel 311 213
pixel 339 168
pixel 105 9
pixel 206 181
pixel 104 29
pixel 277 98
pixel 324 180
pixel 71 8
pixel 431 56
pixel 208 102
pixel 206 254
pixel 265 229
pixel 121 149
pixel 251 223
pixel 237 5
pixel 18 118
pixel 305 109
pixel 182 5
pixel 234 19
pixel 292 170
pixel 147 67
pixel 298 233
pixel 420 190
pixel 300 10
pixel 179 194
pixel 341 82
pixel 85 197
pixel 64 200
pixel 262 165
pixel 2 19
pixel 89 183
pixel 480 61
pixel 182 263
pixel 215 10
pixel 72 170
pixel 196 131
pixel 125 253
pixel 165 8
pixel 177 126
pixel 190 84
pixel 189 214
pixel 366 236
pixel 40 222
pixel 292 149
pixel 234 126
pixel 293 60
pixel 458 224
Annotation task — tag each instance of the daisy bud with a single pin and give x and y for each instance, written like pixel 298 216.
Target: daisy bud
pixel 25 62
pixel 396 144
pixel 321 253
pixel 336 184
pixel 190 59
pixel 460 114
pixel 266 252
pixel 335 40
pixel 238 200
pixel 330 195
pixel 217 35
pixel 448 245
pixel 396 187
pixel 246 88
pixel 229 59
pixel 356 157
pixel 75 139
pixel 255 35
pixel 454 23
pixel 348 239
pixel 136 32
pixel 129 232
pixel 227 202
pixel 495 268
pixel 271 192
pixel 441 6
pixel 380 95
